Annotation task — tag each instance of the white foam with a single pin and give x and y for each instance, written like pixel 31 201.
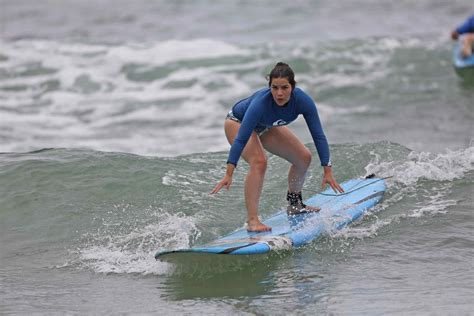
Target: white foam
pixel 440 167
pixel 437 204
pixel 95 93
pixel 106 260
pixel 325 110
pixel 448 166
pixel 133 252
pixel 173 50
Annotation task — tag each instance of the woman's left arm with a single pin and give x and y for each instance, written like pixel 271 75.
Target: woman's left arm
pixel 307 107
pixel 329 179
pixel 310 114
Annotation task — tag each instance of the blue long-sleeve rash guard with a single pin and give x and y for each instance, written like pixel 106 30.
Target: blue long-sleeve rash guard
pixel 467 26
pixel 260 111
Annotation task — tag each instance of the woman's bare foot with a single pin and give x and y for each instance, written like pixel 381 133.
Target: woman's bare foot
pixel 466 52
pixel 257 227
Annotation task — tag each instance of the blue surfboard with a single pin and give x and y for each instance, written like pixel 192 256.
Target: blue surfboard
pixel 463 66
pixel 337 211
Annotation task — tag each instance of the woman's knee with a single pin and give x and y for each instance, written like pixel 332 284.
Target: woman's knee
pixel 468 40
pixel 305 159
pixel 259 164
pixel 469 36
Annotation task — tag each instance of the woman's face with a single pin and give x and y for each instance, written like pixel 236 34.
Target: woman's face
pixel 281 90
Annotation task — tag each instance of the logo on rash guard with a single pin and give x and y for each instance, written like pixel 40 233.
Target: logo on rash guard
pixel 279 123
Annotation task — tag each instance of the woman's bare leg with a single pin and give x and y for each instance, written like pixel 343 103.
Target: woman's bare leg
pixel 468 42
pixel 282 142
pixel 254 155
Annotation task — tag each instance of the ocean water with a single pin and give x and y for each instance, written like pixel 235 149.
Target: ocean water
pixel 111 138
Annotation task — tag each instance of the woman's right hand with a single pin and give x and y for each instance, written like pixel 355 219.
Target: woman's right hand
pixel 454 35
pixel 225 182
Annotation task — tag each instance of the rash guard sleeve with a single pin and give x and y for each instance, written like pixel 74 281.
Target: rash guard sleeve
pixel 310 114
pixel 249 122
pixel 467 26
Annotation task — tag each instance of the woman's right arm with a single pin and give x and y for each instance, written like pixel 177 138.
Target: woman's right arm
pixel 238 144
pixel 250 120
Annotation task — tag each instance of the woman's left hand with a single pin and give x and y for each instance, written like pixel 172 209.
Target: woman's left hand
pixel 329 179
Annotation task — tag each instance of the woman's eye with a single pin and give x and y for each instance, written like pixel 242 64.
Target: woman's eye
pixel 282 87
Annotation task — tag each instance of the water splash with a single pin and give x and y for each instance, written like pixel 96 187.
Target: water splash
pixel 448 166
pixel 424 179
pixel 109 251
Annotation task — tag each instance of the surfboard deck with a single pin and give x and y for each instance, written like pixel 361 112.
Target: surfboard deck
pixel 337 211
pixel 464 66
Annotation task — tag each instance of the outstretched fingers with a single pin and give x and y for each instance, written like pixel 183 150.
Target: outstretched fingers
pixel 223 183
pixel 217 188
pixel 336 187
pixel 333 184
